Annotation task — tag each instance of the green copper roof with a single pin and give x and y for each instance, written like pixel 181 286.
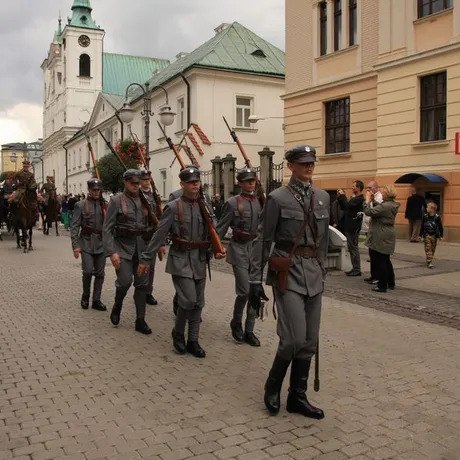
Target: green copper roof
pixel 235 48
pixel 81 15
pixel 120 70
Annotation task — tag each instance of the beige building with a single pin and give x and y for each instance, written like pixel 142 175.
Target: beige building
pixel 374 85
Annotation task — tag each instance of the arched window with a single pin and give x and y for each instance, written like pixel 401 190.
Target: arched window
pixel 85 66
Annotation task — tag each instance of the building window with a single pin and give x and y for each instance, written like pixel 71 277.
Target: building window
pixel 163 183
pixel 427 7
pixel 115 136
pixel 433 101
pixel 337 25
pixel 338 126
pixel 85 66
pixel 65 117
pixel 352 22
pixel 181 113
pixel 243 111
pixel 80 164
pixel 323 28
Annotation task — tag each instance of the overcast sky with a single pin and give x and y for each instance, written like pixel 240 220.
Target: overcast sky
pixel 157 28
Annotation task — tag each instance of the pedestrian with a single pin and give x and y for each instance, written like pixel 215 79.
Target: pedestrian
pixel 65 212
pixel 217 206
pixel 431 231
pixel 86 238
pixel 381 238
pixel 352 223
pixel 188 257
pixel 146 177
pixel 415 210
pixel 376 198
pixel 241 213
pixel 295 218
pixel 124 237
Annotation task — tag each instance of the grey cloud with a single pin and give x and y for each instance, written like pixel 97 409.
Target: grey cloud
pixel 157 28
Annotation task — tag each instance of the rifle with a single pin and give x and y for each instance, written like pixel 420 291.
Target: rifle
pixel 216 244
pixel 93 159
pixel 259 189
pixel 156 195
pixel 142 197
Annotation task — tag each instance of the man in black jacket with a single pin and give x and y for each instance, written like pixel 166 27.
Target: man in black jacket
pixel 352 223
pixel 415 210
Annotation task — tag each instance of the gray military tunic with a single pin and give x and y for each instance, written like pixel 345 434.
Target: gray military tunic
pixel 299 308
pixel 187 266
pixel 176 194
pixel 86 234
pixel 241 213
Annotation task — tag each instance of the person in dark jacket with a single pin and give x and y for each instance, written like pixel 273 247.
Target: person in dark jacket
pixel 352 223
pixel 415 209
pixel 431 231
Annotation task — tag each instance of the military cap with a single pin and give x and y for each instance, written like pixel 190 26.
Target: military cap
pixel 26 163
pixel 146 174
pixel 301 154
pixel 189 174
pixel 246 174
pixel 94 182
pixel 133 175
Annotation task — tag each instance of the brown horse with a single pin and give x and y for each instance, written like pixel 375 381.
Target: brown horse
pixel 25 213
pixel 50 214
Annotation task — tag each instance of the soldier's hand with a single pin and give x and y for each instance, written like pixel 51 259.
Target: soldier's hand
pixel 221 255
pixel 256 295
pixel 142 269
pixel 76 253
pixel 116 262
pixel 161 253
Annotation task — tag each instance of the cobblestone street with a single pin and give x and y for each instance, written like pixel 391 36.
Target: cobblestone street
pixel 74 387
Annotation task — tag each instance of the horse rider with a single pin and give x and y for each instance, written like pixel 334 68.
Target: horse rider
pixel 24 179
pixel 86 238
pixel 49 188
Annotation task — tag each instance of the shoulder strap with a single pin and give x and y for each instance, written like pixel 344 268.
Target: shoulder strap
pixel 124 206
pixel 180 211
pixel 240 208
pixel 86 208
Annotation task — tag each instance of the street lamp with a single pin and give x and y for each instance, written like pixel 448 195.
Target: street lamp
pixel 256 118
pixel 126 113
pixel 14 159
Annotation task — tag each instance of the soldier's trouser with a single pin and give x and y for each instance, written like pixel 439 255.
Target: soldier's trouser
pixel 93 264
pixel 190 297
pixel 242 294
pixel 151 276
pixel 298 324
pixel 125 275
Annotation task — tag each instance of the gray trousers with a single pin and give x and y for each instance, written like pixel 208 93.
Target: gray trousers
pixel 125 276
pixel 242 294
pixel 151 276
pixel 299 318
pixel 190 297
pixel 93 265
pixel 352 246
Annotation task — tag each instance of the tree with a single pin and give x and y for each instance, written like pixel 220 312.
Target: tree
pixel 4 174
pixel 111 172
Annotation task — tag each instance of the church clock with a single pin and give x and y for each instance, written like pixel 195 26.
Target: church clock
pixel 84 40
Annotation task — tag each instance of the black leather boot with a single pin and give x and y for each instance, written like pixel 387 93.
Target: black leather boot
pixel 297 402
pixel 84 302
pixel 237 331
pixel 117 306
pixel 150 300
pixel 179 342
pixel 98 305
pixel 251 339
pixel 272 397
pixel 195 349
pixel 142 326
pixel 175 305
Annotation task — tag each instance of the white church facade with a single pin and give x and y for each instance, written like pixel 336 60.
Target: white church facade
pixel 234 74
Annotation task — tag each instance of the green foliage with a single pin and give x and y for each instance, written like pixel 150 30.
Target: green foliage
pixel 111 172
pixel 4 174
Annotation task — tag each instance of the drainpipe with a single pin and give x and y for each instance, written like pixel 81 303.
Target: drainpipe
pixel 188 99
pixel 121 125
pixel 66 171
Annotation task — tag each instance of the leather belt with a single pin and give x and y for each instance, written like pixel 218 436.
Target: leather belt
pixel 185 245
pixel 303 251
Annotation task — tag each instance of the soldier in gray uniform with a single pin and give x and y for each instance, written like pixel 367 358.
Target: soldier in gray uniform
pixel 296 218
pixel 86 238
pixel 147 191
pixel 188 256
pixel 125 232
pixel 241 213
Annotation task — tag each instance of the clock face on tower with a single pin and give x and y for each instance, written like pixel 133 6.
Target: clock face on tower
pixel 84 40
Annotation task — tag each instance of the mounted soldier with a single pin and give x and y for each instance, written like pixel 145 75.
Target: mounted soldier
pixel 49 189
pixel 24 179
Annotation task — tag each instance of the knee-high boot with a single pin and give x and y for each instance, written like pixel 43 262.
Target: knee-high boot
pixel 120 294
pixel 272 397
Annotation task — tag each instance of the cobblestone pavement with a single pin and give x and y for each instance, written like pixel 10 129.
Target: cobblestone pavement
pixel 73 387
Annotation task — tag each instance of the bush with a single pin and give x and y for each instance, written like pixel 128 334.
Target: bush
pixel 111 172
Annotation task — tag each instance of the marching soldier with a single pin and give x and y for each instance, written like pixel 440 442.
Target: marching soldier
pixel 296 218
pixel 86 237
pixel 49 188
pixel 124 235
pixel 187 259
pixel 241 213
pixel 24 179
pixel 146 190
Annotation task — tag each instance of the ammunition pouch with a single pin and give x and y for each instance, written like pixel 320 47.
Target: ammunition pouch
pixel 280 265
pixel 241 236
pixel 186 245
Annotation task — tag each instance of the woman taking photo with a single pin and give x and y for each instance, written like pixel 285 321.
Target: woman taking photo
pixel 381 238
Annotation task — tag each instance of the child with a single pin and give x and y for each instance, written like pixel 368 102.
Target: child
pixel 431 230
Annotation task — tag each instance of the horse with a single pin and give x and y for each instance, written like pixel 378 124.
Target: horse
pixel 25 215
pixel 50 214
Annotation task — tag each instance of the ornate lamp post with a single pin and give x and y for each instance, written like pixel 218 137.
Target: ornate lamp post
pixel 126 113
pixel 14 159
